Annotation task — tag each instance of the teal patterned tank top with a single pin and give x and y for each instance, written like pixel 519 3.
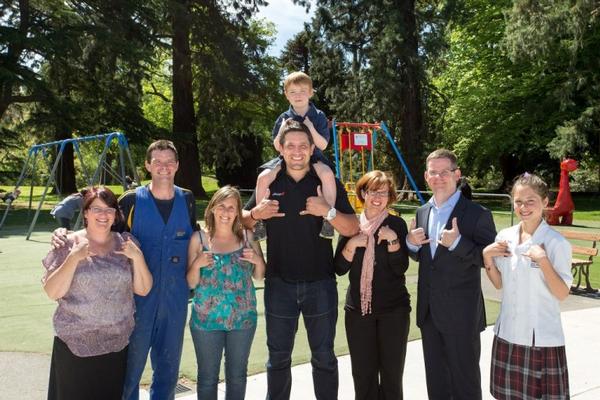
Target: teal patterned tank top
pixel 225 298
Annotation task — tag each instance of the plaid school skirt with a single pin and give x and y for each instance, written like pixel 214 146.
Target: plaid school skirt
pixel 525 372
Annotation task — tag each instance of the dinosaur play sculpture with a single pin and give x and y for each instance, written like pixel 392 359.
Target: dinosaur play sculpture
pixel 562 212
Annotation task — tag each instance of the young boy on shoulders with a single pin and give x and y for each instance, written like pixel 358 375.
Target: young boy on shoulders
pixel 298 90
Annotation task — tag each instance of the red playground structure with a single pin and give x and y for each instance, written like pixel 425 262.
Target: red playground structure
pixel 562 212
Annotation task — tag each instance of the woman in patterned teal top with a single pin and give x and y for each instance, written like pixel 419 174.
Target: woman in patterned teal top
pixel 223 259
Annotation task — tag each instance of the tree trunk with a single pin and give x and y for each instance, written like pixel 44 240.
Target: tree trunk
pixel 65 173
pixel 413 130
pixel 5 97
pixel 509 165
pixel 189 175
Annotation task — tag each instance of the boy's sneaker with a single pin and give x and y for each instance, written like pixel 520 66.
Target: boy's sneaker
pixel 260 230
pixel 326 230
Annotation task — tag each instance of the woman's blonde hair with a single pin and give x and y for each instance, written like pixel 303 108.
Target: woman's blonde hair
pixel 220 196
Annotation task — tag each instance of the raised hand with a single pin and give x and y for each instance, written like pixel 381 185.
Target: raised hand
pixel 249 255
pixel 316 205
pixel 359 240
pixel 59 238
pixel 387 234
pixel 308 123
pixel 497 249
pixel 266 208
pixel 81 248
pixel 416 236
pixel 204 259
pixel 283 125
pixel 536 253
pixel 130 250
pixel 448 236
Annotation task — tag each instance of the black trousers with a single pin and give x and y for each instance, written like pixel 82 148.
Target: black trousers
pixel 377 344
pixel 85 378
pixel 451 363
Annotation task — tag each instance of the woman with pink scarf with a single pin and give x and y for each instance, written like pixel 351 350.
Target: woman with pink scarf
pixel 377 302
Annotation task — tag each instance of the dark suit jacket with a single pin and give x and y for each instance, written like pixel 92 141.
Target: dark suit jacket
pixel 450 284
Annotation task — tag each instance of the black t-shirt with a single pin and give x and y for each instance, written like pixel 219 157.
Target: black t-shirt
pixel 127 205
pixel 295 251
pixel 389 283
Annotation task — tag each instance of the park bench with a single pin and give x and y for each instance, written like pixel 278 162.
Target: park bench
pixel 580 265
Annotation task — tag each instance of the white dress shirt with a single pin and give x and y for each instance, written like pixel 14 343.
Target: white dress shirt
pixel 529 312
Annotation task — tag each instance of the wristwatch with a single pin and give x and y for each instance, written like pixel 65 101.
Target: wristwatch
pixel 331 214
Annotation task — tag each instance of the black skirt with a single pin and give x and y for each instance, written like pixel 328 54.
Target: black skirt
pixel 97 377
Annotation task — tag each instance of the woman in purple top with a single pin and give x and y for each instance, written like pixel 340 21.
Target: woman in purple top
pixel 93 279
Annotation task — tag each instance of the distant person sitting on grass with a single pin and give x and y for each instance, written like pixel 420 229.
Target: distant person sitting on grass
pixel 93 279
pixel 131 184
pixel 9 197
pixel 64 211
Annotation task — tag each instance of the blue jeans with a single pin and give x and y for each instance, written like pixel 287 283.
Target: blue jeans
pixel 318 302
pixel 209 346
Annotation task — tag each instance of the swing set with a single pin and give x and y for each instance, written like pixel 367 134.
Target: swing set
pixel 92 177
pixel 354 149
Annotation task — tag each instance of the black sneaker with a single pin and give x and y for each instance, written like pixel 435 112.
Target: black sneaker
pixel 260 230
pixel 327 231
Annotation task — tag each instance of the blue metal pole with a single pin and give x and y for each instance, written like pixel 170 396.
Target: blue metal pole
pixel 335 151
pixel 401 159
pixel 77 139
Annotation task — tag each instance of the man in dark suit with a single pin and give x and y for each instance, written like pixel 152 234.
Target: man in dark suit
pixel 447 238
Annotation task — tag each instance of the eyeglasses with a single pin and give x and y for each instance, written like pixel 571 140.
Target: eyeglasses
pixel 382 193
pixel 160 164
pixel 100 210
pixel 442 174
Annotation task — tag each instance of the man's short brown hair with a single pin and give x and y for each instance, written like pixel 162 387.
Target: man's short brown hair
pixel 442 153
pixel 294 126
pixel 297 78
pixel 161 144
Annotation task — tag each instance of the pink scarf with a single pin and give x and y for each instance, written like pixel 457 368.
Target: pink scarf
pixel 368 227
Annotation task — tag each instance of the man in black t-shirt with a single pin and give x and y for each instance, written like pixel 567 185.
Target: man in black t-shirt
pixel 300 273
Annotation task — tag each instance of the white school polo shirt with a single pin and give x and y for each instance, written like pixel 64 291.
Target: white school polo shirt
pixel 528 307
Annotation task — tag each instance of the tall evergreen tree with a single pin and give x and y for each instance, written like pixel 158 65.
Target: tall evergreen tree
pixel 184 119
pixel 237 90
pixel 365 53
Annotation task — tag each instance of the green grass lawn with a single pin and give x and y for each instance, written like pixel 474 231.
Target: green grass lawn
pixel 26 313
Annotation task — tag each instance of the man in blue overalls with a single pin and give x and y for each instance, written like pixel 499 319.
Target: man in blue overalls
pixel 162 217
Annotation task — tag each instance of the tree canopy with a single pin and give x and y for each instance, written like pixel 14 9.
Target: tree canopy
pixel 509 85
